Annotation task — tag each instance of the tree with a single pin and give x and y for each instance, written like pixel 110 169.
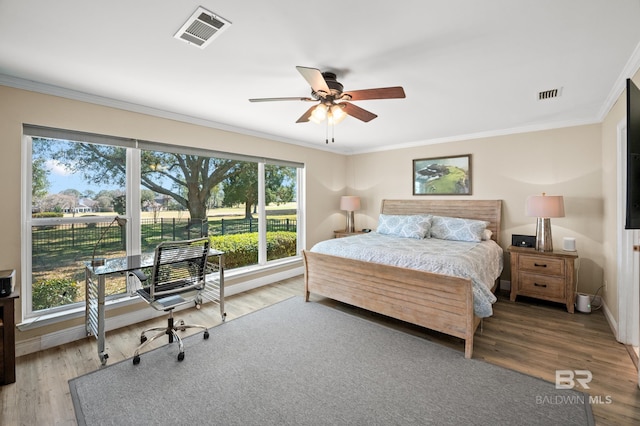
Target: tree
pixel 148 203
pixel 71 192
pixel 241 186
pixel 187 179
pixel 58 202
pixel 39 180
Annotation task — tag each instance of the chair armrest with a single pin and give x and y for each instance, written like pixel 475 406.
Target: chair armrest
pixel 139 274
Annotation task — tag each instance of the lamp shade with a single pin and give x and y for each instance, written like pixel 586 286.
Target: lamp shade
pixel 545 206
pixel 349 203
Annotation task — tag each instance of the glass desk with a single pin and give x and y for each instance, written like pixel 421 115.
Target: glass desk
pixel 95 281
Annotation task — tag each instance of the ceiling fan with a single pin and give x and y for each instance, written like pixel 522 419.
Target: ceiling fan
pixel 334 104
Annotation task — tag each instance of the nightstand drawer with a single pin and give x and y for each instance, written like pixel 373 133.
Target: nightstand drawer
pixel 541 265
pixel 542 286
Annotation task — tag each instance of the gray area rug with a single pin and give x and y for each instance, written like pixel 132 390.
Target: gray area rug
pixel 297 363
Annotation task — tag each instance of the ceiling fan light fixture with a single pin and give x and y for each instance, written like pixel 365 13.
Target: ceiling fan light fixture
pixel 319 114
pixel 336 114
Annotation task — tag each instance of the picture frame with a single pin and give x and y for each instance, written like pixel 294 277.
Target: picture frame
pixel 442 175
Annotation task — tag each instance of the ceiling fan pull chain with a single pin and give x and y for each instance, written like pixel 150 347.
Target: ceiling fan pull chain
pixel 326 134
pixel 333 132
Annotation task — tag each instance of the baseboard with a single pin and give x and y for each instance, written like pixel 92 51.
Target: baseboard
pixel 613 324
pixel 262 281
pixel 72 334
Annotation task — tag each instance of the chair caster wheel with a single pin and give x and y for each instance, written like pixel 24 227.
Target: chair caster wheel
pixel 206 335
pixel 180 356
pixel 103 358
pixel 136 360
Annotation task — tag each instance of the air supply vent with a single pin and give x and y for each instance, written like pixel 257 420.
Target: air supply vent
pixel 202 27
pixel 549 94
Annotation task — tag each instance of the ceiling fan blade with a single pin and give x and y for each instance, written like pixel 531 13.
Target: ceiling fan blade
pixel 379 93
pixel 357 112
pixel 282 99
pixel 305 117
pixel 314 78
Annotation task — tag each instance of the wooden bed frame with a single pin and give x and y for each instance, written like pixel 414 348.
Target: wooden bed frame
pixel 439 302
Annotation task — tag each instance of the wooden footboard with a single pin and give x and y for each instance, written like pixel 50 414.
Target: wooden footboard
pixel 439 302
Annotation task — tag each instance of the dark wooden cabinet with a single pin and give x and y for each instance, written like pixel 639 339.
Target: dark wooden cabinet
pixel 7 339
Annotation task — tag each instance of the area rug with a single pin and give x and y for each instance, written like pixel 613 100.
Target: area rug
pixel 297 363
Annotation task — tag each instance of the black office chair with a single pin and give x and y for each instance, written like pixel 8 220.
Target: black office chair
pixel 177 278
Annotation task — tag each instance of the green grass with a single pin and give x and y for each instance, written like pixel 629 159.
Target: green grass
pixel 59 252
pixel 451 183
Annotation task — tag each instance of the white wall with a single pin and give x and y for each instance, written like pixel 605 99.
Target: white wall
pixel 559 162
pixel 576 162
pixel 325 172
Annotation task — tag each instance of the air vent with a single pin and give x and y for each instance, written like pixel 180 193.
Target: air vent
pixel 202 28
pixel 549 94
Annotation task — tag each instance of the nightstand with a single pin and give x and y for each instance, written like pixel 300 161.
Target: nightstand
pixel 340 234
pixel 543 275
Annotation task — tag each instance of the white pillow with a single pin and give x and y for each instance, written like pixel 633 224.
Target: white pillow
pixel 406 226
pixel 486 236
pixel 457 229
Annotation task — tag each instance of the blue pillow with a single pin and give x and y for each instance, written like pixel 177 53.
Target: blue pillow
pixel 457 229
pixel 406 226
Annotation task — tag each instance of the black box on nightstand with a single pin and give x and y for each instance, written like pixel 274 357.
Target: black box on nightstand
pixel 523 240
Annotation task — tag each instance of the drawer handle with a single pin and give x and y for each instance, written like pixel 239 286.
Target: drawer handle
pixel 541 265
pixel 540 285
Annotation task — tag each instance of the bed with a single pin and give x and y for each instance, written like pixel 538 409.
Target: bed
pixel 440 302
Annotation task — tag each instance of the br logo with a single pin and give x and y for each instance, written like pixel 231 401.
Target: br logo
pixel 566 379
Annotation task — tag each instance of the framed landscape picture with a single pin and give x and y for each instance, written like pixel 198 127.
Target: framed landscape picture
pixel 442 176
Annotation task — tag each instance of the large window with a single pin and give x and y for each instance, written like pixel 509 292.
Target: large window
pixel 81 183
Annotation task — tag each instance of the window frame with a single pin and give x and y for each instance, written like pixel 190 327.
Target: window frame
pixel 134 149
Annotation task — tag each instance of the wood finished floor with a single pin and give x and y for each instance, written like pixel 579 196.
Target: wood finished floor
pixel 527 336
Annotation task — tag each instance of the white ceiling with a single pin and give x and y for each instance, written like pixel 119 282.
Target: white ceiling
pixel 468 67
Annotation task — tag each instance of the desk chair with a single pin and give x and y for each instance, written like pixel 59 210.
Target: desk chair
pixel 177 278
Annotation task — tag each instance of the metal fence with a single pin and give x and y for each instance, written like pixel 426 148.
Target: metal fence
pixel 84 236
pixel 243 226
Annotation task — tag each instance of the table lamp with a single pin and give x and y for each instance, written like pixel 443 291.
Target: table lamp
pixel 349 203
pixel 99 261
pixel 544 207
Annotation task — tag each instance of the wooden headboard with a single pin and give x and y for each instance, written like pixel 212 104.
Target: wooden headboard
pixel 489 210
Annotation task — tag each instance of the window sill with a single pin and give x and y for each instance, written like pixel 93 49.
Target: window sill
pixel 71 314
pixel 240 274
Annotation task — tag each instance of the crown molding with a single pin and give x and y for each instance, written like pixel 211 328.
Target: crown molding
pixel 629 70
pixel 48 89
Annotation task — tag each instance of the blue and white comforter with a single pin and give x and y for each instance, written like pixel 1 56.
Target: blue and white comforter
pixel 481 262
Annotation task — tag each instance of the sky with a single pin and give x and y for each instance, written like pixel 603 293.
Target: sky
pixel 61 179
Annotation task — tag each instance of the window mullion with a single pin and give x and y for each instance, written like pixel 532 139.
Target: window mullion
pixel 133 201
pixel 262 216
pixel 26 262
